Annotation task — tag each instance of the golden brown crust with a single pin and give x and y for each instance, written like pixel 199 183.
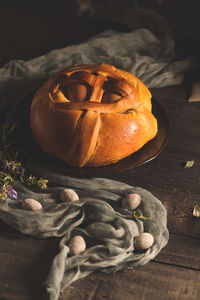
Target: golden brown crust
pixel 92 115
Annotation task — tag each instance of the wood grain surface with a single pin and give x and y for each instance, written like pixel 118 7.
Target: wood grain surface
pixel 27 32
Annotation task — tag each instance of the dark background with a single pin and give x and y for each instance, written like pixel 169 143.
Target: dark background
pixel 31 28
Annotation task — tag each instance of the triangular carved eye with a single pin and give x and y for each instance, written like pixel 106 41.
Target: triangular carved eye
pixel 111 96
pixel 76 92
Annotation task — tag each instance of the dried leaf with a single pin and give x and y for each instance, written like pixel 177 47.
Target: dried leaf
pixel 189 164
pixel 196 210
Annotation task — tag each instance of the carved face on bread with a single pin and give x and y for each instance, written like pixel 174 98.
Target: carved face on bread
pixel 92 115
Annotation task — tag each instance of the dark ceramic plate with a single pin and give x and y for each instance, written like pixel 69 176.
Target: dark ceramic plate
pixel 29 149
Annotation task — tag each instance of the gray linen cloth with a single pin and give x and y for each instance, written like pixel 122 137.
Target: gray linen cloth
pixel 98 216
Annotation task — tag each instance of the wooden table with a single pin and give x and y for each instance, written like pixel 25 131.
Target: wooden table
pixel 175 272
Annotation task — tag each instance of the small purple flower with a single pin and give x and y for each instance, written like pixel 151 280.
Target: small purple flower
pixel 14 167
pixel 11 193
pixel 8 165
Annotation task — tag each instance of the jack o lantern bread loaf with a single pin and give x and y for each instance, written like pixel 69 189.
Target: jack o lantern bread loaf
pixel 92 115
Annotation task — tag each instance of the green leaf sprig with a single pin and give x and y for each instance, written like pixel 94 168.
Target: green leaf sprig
pixel 13 171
